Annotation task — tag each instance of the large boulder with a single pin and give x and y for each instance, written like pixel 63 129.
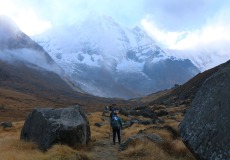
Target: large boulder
pixel 49 126
pixel 206 126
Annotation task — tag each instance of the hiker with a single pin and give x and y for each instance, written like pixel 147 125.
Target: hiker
pixel 116 124
pixel 112 112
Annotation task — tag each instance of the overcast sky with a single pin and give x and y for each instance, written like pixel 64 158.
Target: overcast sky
pixel 175 24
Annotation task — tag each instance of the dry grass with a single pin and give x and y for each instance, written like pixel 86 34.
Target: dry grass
pixel 98 133
pixel 177 149
pixel 133 130
pixel 146 150
pixel 11 148
pixel 175 110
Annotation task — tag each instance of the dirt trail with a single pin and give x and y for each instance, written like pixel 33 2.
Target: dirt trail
pixel 105 150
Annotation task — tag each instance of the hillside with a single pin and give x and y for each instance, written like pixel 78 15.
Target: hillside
pixel 23 88
pixel 182 93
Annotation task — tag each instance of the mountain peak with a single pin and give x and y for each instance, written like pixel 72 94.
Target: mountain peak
pixel 129 60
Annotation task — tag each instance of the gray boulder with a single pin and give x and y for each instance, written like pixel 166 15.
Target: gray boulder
pixel 206 126
pixel 49 126
pixel 150 136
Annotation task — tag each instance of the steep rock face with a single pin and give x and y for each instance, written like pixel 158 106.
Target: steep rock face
pixel 206 126
pixel 49 126
pixel 109 60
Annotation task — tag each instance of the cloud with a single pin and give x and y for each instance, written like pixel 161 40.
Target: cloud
pixel 172 15
pixel 28 22
pixel 177 15
pixel 29 56
pixel 207 46
pixel 192 27
pixel 24 16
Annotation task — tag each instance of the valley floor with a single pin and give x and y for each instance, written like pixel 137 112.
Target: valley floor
pixel 100 146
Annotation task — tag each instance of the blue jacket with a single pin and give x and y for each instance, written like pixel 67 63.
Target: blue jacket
pixel 119 121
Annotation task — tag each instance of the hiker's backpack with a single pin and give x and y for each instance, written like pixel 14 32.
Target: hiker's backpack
pixel 115 122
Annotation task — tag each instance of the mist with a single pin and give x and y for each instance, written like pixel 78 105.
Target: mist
pixel 185 28
pixel 29 57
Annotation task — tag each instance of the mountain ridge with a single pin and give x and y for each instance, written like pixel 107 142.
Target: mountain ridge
pixel 125 57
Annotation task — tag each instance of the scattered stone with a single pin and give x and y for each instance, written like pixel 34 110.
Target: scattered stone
pixel 146 122
pixel 103 119
pixel 135 121
pixel 152 137
pixel 99 124
pixel 49 126
pixel 161 113
pixel 6 124
pixel 158 121
pixel 148 113
pixel 124 111
pixel 2 107
pixel 127 124
pixel 140 108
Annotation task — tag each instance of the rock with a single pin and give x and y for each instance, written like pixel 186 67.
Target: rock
pixel 135 113
pixel 6 124
pixel 206 126
pixel 135 121
pixel 99 124
pixel 127 124
pixel 49 126
pixel 146 112
pixel 146 122
pixel 152 137
pixel 140 108
pixel 106 111
pixel 103 119
pixel 158 121
pixel 161 113
pixel 124 111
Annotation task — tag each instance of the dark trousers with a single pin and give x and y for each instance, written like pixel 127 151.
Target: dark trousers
pixel 116 131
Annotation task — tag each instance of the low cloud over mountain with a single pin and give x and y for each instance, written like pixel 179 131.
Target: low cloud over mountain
pixel 109 60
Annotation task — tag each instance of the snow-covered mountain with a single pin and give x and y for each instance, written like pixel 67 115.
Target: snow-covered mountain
pixel 109 60
pixel 203 58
